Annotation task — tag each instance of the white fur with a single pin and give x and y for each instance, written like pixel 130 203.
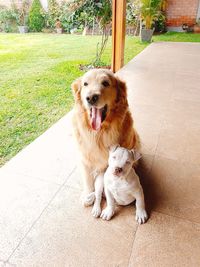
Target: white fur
pixel 121 188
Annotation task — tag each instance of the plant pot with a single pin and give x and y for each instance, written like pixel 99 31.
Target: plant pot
pixel 59 30
pixel 23 29
pixel 196 28
pixel 146 35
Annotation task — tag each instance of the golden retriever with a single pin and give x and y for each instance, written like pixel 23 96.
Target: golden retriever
pixel 101 118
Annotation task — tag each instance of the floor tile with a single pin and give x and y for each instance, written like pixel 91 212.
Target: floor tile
pixel 184 89
pixel 166 241
pixel 181 111
pixel 147 127
pixel 68 235
pixel 22 199
pixel 50 157
pixel 7 264
pixel 180 141
pixel 151 95
pixel 144 172
pixel 172 188
pixel 75 180
pixel 172 141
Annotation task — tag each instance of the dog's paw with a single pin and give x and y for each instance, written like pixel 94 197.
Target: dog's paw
pixel 88 199
pixel 96 211
pixel 107 213
pixel 141 216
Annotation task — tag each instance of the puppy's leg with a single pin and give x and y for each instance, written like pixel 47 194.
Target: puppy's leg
pixel 96 211
pixel 141 214
pixel 109 211
pixel 88 196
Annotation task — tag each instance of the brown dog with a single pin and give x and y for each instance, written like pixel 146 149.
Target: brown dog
pixel 101 119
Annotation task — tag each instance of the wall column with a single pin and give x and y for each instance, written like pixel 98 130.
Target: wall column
pixel 118 33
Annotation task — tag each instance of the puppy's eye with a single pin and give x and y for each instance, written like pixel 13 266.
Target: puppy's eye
pixel 105 83
pixel 85 84
pixel 128 162
pixel 114 157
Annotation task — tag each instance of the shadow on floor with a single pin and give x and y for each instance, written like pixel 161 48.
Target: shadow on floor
pixel 148 183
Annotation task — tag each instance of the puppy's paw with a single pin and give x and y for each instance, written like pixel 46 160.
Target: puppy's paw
pixel 88 199
pixel 107 213
pixel 141 216
pixel 96 211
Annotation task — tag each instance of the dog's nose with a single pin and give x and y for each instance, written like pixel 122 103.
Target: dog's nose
pixel 92 99
pixel 118 170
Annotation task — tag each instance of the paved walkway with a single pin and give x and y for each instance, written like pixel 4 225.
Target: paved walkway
pixel 42 223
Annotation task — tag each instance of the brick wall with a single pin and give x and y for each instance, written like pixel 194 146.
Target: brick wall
pixel 181 11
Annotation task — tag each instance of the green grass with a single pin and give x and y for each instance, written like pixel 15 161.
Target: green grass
pixel 177 37
pixel 36 71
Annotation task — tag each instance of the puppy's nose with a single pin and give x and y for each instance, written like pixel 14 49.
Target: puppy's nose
pixel 92 99
pixel 118 170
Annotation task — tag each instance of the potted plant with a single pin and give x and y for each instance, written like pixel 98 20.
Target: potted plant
pixel 197 26
pixel 23 16
pixel 150 10
pixel 58 26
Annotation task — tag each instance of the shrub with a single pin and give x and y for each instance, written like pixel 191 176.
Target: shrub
pixel 23 10
pixel 150 11
pixel 58 11
pixel 67 18
pixel 8 19
pixel 54 12
pixel 36 19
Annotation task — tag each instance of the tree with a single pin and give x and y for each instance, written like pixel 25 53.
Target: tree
pixel 150 11
pixel 54 12
pixel 88 11
pixel 23 13
pixel 133 14
pixel 36 19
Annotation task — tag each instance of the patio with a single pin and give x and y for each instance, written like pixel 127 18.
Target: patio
pixel 42 222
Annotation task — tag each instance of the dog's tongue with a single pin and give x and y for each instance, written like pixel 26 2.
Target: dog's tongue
pixel 96 118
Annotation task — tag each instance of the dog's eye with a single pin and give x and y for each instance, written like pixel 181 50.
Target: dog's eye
pixel 105 83
pixel 128 162
pixel 85 84
pixel 114 157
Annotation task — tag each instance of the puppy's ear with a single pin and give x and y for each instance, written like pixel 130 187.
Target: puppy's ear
pixel 113 148
pixel 121 90
pixel 76 88
pixel 136 154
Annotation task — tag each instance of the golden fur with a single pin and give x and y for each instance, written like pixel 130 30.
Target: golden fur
pixel 117 128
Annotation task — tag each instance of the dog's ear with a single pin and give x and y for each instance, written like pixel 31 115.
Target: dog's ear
pixel 113 148
pixel 121 90
pixel 76 88
pixel 136 154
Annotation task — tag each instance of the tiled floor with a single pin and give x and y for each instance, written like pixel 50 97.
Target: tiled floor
pixel 42 222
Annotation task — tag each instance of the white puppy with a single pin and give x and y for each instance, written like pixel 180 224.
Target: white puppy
pixel 121 185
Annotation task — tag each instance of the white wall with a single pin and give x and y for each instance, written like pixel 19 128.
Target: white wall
pixel 198 13
pixel 5 3
pixel 44 4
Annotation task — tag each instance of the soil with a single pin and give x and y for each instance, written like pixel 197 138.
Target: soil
pixel 89 67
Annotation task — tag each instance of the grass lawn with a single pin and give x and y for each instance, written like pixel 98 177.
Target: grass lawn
pixel 36 71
